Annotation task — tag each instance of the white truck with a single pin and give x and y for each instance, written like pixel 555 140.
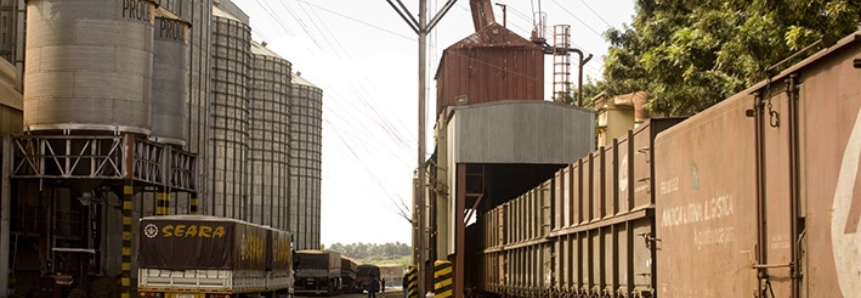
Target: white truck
pixel 194 256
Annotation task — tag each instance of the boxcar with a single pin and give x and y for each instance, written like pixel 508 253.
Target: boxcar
pixel 757 196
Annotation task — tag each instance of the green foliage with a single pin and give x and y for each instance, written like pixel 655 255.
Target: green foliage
pixel 690 55
pixel 403 261
pixel 361 250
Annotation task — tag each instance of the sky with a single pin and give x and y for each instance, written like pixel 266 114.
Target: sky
pixel 365 58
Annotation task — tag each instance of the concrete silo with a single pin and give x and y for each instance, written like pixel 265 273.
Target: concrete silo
pixel 270 138
pixel 306 127
pixel 228 144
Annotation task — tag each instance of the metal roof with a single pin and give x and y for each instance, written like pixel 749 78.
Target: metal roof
pixel 301 81
pixel 259 49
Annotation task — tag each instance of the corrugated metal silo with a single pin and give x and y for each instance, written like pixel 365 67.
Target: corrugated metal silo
pixel 79 80
pixel 228 135
pixel 170 76
pixel 9 14
pixel 306 121
pixel 197 103
pixel 270 137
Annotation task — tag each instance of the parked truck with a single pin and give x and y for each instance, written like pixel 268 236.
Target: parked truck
pixel 364 279
pixel 318 273
pixel 194 256
pixel 348 274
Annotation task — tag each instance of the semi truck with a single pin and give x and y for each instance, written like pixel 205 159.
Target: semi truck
pixel 349 267
pixel 318 273
pixel 364 279
pixel 195 256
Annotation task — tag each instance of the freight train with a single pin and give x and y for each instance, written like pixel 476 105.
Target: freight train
pixel 753 197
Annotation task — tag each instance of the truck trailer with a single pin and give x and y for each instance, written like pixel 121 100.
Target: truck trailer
pixel 195 256
pixel 318 273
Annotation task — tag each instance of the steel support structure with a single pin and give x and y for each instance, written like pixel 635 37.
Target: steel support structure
pixel 124 161
pixel 5 214
pixel 460 230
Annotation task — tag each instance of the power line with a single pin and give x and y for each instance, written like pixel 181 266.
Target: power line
pixel 358 21
pixel 596 14
pixel 578 19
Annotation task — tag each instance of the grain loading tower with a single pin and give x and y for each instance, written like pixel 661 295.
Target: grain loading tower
pixel 270 138
pixel 306 120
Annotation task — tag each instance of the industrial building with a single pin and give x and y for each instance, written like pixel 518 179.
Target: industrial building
pixel 168 108
pixel 495 137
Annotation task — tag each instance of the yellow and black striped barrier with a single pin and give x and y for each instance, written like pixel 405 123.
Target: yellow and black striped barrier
pixel 412 278
pixel 442 278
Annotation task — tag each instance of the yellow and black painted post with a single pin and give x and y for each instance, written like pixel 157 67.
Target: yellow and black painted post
pixel 442 278
pixel 128 196
pixel 192 209
pixel 412 279
pixel 162 202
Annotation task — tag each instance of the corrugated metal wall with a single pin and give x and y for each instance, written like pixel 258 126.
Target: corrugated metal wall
pixel 521 132
pixel 490 65
pixel 306 110
pixel 270 138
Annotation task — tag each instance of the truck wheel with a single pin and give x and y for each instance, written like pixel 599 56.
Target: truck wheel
pixel 104 287
pixel 77 293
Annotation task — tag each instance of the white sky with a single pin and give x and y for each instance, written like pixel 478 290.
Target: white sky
pixel 364 57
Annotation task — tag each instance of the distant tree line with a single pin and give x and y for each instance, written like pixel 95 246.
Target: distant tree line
pixel 368 250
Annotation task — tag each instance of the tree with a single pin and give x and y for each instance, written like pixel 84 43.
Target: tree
pixel 690 55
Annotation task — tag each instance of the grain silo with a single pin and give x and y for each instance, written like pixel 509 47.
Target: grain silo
pixel 77 80
pixel 226 158
pixel 197 103
pixel 270 137
pixel 170 76
pixel 306 120
pixel 87 116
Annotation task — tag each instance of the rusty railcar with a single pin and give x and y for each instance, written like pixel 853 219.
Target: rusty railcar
pixel 587 231
pixel 757 195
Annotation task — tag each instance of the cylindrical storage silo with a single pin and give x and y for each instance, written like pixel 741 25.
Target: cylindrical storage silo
pixel 306 127
pixel 197 103
pixel 89 65
pixel 169 80
pixel 228 127
pixel 270 138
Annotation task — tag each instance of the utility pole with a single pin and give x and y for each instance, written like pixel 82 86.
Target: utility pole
pixel 421 27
